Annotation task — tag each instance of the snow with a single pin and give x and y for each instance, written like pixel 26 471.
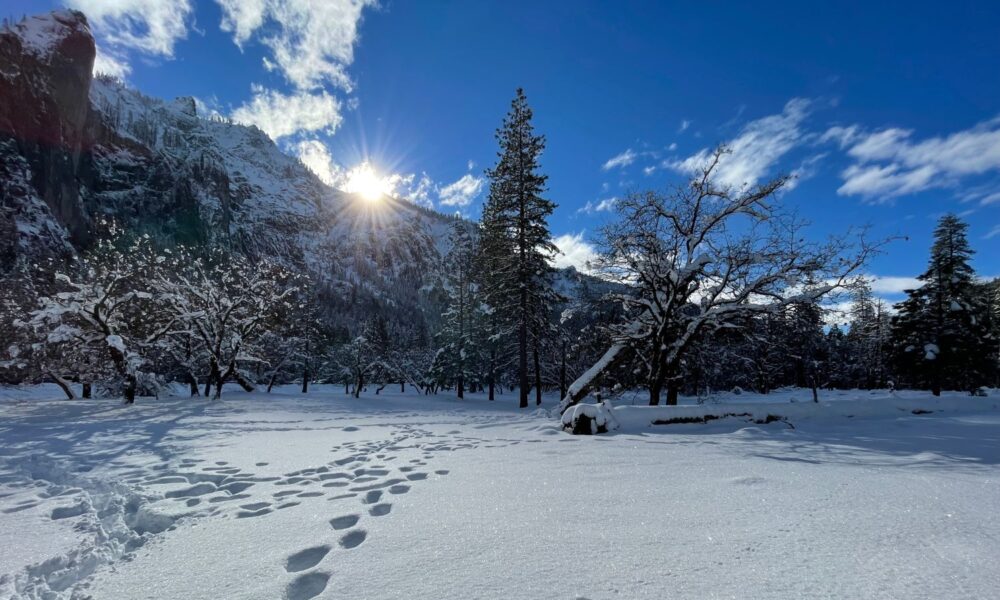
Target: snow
pixel 40 33
pixel 243 498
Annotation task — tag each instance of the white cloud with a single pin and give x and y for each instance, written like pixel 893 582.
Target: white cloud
pixel 111 64
pixel 150 26
pixel 684 125
pixel 890 163
pixel 882 284
pixel 647 171
pixel 600 206
pixel 461 192
pixel 280 115
pixel 993 232
pixel 315 155
pixel 311 42
pixel 757 148
pixel 574 251
pixel 622 160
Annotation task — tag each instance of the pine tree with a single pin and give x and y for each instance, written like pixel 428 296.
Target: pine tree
pixel 456 359
pixel 515 238
pixel 940 331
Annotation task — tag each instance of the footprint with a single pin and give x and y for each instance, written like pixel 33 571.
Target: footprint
pixel 442 471
pixel 399 489
pixel 65 512
pixel 331 484
pixel 284 493
pixel 416 476
pixel 306 559
pixel 352 428
pixel 261 464
pixel 345 521
pixel 215 499
pixel 255 505
pixel 310 494
pixel 372 497
pixel 306 586
pixel 252 513
pixel 380 510
pixel 342 496
pixel 286 505
pixel 353 539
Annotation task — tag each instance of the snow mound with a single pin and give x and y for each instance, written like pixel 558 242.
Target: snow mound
pixel 589 419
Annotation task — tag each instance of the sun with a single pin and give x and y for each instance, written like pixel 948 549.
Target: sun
pixel 364 181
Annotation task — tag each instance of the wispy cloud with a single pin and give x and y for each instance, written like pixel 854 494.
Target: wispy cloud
pixel 683 126
pixel 890 163
pixel 574 251
pixel 757 149
pixel 599 206
pixel 280 115
pixel 311 43
pixel 993 232
pixel 461 192
pixel 622 160
pixel 151 27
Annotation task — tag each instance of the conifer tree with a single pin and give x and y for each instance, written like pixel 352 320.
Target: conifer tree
pixel 456 358
pixel 940 333
pixel 516 244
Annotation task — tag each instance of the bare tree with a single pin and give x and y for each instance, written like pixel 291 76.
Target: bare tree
pixel 700 258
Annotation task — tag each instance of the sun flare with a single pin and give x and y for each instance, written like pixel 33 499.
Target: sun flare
pixel 364 181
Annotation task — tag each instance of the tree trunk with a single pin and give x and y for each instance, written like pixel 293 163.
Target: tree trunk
pixel 305 380
pixel 192 384
pixel 562 373
pixel 131 383
pixel 360 383
pixel 63 385
pixel 402 387
pixel 673 389
pixel 538 378
pixel 493 373
pixel 655 387
pixel 245 383
pixel 522 351
pixel 87 389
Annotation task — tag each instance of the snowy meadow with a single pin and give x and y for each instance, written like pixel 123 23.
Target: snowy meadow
pixel 730 360
pixel 399 496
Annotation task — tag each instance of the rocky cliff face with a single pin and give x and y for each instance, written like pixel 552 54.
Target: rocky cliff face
pixel 74 149
pixel 46 130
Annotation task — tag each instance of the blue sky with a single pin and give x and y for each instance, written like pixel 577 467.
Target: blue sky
pixel 889 115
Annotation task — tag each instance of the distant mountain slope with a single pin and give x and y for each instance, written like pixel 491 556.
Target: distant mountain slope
pixel 74 149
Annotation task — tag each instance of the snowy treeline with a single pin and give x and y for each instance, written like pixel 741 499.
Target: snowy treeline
pixel 700 288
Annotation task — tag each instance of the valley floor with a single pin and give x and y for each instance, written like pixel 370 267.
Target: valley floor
pixel 406 496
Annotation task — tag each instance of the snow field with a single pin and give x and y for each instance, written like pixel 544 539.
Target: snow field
pixel 280 496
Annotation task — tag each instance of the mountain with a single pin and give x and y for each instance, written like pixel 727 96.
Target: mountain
pixel 75 149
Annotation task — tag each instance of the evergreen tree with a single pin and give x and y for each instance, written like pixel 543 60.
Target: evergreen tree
pixel 516 242
pixel 940 333
pixel 457 360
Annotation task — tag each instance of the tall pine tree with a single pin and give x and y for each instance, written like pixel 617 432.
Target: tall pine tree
pixel 940 333
pixel 515 238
